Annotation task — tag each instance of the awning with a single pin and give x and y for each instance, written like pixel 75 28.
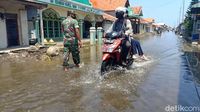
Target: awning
pixel 98 18
pixel 32 3
pixel 74 5
pixel 109 17
pixel 134 17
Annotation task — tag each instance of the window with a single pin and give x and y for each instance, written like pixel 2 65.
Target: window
pixel 198 26
pixel 51 24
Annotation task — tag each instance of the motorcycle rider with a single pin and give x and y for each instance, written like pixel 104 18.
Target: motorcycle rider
pixel 124 26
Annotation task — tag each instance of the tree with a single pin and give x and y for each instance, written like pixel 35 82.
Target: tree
pixel 188 21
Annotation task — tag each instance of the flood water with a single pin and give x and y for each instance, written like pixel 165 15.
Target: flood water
pixel 171 78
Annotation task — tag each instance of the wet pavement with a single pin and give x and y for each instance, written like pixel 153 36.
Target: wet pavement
pixel 171 78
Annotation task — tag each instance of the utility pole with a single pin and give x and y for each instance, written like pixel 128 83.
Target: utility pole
pixel 179 19
pixel 183 11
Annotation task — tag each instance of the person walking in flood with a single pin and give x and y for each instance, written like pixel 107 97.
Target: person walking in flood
pixel 72 40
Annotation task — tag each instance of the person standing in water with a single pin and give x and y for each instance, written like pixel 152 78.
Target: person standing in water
pixel 72 40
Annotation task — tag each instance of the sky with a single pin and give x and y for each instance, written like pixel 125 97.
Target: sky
pixel 165 11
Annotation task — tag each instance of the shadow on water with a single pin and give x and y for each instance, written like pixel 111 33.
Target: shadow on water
pixel 188 91
pixel 193 59
pixel 191 77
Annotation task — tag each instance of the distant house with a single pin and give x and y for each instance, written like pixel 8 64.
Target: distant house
pixel 135 18
pixel 109 6
pixel 146 25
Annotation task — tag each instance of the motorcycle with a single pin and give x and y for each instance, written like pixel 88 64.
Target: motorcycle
pixel 111 49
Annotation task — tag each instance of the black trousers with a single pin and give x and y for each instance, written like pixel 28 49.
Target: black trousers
pixel 126 45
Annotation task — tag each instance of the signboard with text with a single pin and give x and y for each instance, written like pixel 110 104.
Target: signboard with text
pixel 73 5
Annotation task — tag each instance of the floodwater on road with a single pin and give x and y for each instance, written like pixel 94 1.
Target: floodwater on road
pixel 171 78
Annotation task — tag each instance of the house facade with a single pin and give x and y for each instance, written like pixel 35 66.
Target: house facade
pixel 56 11
pixel 146 25
pixel 135 16
pixel 109 6
pixel 15 16
pixel 196 22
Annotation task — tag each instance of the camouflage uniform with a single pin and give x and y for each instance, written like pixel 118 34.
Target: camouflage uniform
pixel 70 41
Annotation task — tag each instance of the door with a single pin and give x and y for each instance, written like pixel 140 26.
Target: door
pixel 12 30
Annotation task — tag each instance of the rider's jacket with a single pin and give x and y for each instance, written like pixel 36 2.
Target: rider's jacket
pixel 122 24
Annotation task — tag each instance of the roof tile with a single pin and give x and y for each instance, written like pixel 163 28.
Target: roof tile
pixel 137 10
pixel 147 20
pixel 109 17
pixel 108 4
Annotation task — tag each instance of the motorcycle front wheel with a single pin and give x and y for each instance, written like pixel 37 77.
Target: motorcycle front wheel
pixel 106 66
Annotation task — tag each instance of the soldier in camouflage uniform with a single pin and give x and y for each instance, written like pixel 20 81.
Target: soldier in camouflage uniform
pixel 72 39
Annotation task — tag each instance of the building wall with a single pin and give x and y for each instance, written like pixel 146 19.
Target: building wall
pixel 14 8
pixel 24 27
pixel 63 11
pixel 81 17
pixel 3 35
pixel 142 28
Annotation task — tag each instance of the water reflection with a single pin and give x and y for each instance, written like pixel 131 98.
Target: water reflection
pixel 93 54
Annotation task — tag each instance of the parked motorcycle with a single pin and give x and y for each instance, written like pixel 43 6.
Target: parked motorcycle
pixel 111 49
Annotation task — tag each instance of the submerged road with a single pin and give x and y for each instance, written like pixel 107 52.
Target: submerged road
pixel 173 81
pixel 170 79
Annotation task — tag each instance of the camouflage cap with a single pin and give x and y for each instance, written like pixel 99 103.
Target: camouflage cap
pixel 71 13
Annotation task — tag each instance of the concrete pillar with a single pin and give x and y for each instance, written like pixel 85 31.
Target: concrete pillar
pixel 81 27
pixel 41 27
pixel 99 34
pixel 93 23
pixel 92 35
pixel 24 27
pixel 3 37
pixel 37 30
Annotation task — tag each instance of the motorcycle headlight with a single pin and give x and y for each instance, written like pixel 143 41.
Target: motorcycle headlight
pixel 110 49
